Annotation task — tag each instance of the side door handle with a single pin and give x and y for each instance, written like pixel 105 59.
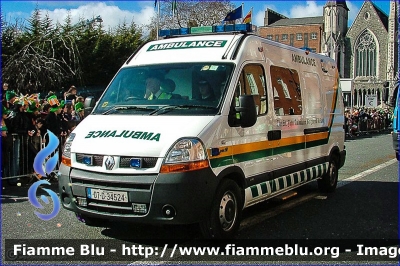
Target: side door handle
pixel 274 135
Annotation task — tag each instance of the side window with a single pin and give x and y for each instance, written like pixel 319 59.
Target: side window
pixel 286 91
pixel 252 82
pixel 313 99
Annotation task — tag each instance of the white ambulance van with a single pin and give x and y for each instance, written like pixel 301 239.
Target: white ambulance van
pixel 195 128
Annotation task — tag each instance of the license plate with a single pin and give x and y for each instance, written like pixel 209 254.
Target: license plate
pixel 107 195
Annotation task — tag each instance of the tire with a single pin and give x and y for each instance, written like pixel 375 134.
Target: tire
pixel 328 182
pixel 223 220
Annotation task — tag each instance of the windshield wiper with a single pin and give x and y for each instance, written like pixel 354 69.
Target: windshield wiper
pixel 125 107
pixel 168 108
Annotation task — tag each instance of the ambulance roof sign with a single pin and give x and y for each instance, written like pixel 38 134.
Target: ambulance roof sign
pixel 187 45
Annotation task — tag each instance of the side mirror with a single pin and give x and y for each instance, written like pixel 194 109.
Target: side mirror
pixel 247 110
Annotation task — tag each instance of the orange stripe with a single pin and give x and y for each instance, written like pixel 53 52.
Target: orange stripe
pixel 262 145
pixel 317 136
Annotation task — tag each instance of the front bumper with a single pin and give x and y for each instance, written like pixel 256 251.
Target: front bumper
pixel 189 193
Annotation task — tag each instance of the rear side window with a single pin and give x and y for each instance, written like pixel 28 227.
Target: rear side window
pixel 313 101
pixel 286 91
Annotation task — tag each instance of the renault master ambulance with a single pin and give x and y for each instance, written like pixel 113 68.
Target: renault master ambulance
pixel 155 150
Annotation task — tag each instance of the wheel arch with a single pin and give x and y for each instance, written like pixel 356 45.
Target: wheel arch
pixel 236 174
pixel 335 155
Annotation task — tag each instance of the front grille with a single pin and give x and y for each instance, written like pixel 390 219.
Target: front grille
pixel 97 159
pixel 108 184
pixel 109 207
pixel 148 162
pixel 124 208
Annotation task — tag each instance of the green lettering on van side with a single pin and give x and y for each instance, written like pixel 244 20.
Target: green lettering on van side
pixel 125 134
pixel 146 135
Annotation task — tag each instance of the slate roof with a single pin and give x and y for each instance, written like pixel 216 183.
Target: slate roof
pixel 382 16
pixel 298 21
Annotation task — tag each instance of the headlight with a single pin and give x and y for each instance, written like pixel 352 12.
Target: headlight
pixel 185 155
pixel 66 155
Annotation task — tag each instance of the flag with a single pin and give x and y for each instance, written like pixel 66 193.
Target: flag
pixel 235 14
pixel 247 18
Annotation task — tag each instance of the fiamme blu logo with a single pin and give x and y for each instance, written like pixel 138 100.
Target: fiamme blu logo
pixel 44 167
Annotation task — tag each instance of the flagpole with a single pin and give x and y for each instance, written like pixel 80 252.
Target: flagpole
pixel 242 10
pixel 158 17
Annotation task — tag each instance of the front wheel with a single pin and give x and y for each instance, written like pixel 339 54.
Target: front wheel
pixel 224 218
pixel 329 180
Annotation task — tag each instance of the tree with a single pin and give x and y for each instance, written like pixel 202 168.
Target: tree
pixel 189 14
pixel 46 57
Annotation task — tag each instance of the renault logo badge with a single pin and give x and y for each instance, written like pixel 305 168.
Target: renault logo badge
pixel 109 162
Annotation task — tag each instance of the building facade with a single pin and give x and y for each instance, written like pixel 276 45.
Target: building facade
pixel 366 53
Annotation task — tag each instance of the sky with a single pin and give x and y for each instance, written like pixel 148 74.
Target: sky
pixel 115 12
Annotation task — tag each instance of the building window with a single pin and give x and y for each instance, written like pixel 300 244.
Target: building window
pixel 284 37
pixel 366 55
pixel 299 36
pixel 277 38
pixel 269 37
pixel 313 35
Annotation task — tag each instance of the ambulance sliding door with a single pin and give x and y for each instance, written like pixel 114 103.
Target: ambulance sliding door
pixel 288 118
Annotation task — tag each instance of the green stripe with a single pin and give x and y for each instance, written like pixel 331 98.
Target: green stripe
pixel 317 143
pixel 248 156
pixel 289 148
pixel 222 161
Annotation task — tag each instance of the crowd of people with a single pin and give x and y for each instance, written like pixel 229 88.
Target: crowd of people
pixel 26 119
pixel 360 120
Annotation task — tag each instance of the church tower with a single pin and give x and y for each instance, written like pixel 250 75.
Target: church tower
pixel 392 60
pixel 335 28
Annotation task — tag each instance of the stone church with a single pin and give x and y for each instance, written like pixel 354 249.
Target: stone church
pixel 366 52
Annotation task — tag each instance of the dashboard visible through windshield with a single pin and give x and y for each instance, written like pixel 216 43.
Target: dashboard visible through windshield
pixel 183 89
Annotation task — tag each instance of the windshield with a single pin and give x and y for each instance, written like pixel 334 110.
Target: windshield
pixel 178 89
